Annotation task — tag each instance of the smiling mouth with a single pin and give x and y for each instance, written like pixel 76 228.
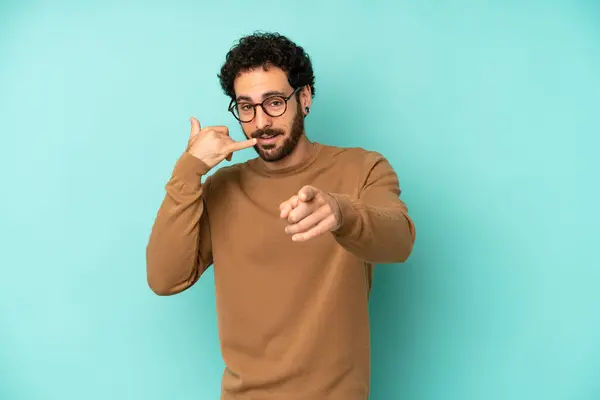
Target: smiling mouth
pixel 268 136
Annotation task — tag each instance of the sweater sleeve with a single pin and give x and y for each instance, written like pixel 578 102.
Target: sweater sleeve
pixel 375 225
pixel 179 248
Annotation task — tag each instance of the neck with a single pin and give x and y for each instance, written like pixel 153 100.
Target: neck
pixel 300 153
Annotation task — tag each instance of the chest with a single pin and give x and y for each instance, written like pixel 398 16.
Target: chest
pixel 245 222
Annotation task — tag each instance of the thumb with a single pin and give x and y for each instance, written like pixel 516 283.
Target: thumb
pixel 195 127
pixel 307 193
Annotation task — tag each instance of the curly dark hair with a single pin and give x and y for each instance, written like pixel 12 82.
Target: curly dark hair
pixel 264 49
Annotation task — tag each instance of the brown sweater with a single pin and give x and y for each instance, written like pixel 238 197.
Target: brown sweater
pixel 292 316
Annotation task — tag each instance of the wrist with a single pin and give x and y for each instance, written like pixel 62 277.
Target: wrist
pixel 347 216
pixel 189 168
pixel 336 211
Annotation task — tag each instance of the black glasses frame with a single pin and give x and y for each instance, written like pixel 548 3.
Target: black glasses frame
pixel 233 104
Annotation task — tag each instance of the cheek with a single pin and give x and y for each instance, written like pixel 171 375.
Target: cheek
pixel 247 129
pixel 285 124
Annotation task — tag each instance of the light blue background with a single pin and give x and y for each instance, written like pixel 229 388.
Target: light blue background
pixel 488 111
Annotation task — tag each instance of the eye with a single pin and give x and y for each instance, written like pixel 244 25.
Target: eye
pixel 245 107
pixel 276 103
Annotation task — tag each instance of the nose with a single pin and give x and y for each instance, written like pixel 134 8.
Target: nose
pixel 261 119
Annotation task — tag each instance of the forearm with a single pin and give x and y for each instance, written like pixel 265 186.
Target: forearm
pixel 375 233
pixel 375 225
pixel 178 249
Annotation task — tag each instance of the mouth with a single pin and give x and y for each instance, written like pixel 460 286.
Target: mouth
pixel 267 139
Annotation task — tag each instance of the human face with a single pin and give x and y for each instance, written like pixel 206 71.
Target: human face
pixel 277 136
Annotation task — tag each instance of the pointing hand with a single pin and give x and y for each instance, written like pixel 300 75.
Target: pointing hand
pixel 310 213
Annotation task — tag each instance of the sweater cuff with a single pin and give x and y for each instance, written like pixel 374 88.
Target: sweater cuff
pixel 189 169
pixel 351 223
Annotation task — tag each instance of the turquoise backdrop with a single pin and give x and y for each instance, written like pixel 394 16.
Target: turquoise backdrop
pixel 489 111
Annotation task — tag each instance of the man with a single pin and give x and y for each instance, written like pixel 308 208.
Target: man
pixel 293 234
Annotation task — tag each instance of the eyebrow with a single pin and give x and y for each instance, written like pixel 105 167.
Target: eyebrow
pixel 264 96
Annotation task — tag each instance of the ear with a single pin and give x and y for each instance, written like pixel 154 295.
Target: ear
pixel 305 98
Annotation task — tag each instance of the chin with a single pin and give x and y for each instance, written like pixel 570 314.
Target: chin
pixel 271 154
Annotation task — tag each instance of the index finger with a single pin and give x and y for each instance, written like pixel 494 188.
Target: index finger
pixel 244 144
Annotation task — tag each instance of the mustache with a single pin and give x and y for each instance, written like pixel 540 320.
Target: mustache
pixel 267 131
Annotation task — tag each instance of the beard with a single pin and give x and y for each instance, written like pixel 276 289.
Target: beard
pixel 279 151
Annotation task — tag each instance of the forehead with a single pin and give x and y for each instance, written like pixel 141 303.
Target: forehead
pixel 257 83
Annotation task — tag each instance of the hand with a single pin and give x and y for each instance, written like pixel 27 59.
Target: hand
pixel 213 143
pixel 310 213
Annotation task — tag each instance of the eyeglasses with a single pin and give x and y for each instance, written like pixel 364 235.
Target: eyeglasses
pixel 273 106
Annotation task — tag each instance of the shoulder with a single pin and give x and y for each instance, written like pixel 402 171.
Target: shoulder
pixel 225 174
pixel 366 167
pixel 222 177
pixel 357 157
